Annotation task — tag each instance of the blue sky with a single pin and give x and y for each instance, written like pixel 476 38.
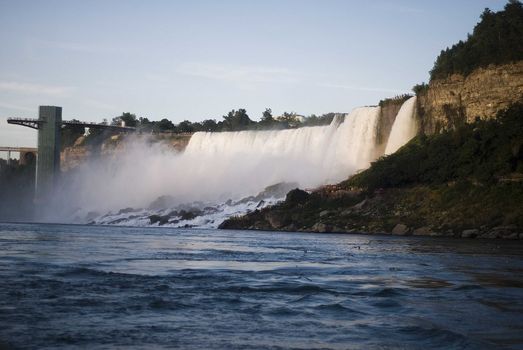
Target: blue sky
pixel 199 59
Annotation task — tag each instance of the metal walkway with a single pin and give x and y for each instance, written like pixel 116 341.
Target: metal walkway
pixel 36 124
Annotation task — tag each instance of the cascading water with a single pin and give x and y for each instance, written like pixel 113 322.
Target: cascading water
pixel 310 156
pixel 404 127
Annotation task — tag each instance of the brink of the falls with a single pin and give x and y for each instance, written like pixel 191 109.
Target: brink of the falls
pixel 404 127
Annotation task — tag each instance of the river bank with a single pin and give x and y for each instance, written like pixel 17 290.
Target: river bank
pixel 461 210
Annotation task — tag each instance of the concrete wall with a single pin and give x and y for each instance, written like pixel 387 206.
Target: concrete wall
pixel 48 161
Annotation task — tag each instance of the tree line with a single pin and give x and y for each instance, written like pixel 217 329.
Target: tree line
pixel 235 120
pixel 496 39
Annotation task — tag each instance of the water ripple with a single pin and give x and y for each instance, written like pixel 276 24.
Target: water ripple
pixel 97 287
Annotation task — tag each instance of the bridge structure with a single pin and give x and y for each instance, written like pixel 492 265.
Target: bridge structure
pixel 49 124
pixel 26 153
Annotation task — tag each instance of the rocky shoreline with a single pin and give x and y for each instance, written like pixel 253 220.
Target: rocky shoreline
pixel 413 211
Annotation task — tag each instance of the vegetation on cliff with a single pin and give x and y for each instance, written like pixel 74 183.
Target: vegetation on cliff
pixel 496 39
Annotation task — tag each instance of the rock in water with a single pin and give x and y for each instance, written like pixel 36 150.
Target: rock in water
pixel 470 233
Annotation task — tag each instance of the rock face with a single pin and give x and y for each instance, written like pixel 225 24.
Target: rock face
pixel 73 156
pixel 457 99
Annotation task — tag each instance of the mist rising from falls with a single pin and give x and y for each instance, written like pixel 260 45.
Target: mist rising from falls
pixel 404 127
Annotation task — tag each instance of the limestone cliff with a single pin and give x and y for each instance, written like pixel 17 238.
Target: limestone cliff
pixel 72 156
pixel 457 99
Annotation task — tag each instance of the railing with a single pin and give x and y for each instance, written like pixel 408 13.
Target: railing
pixel 35 123
pixel 18 149
pixel 96 125
pixel 30 123
pixel 26 120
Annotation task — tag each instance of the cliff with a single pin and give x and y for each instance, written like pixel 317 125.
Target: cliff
pixel 458 99
pixel 82 149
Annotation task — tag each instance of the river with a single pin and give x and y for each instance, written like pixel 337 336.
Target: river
pixel 77 287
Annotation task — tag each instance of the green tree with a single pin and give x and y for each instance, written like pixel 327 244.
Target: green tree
pixel 128 118
pixel 144 124
pixel 185 127
pixel 164 125
pixel 209 125
pixel 237 120
pixel 267 121
pixel 496 39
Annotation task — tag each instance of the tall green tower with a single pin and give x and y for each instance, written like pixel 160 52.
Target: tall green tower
pixel 48 162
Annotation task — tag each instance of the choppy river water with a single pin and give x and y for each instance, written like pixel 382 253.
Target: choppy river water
pixel 80 287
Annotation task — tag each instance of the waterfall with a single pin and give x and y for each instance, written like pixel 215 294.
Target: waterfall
pixel 404 127
pixel 310 156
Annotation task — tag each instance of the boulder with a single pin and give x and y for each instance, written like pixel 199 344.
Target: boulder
pixel 277 190
pixel 506 232
pixel 160 219
pixel 296 196
pixel 189 214
pixel 400 230
pixel 321 228
pixel 472 233
pixel 324 213
pixel 423 231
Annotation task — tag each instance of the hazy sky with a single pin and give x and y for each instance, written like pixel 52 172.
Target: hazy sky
pixel 199 59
